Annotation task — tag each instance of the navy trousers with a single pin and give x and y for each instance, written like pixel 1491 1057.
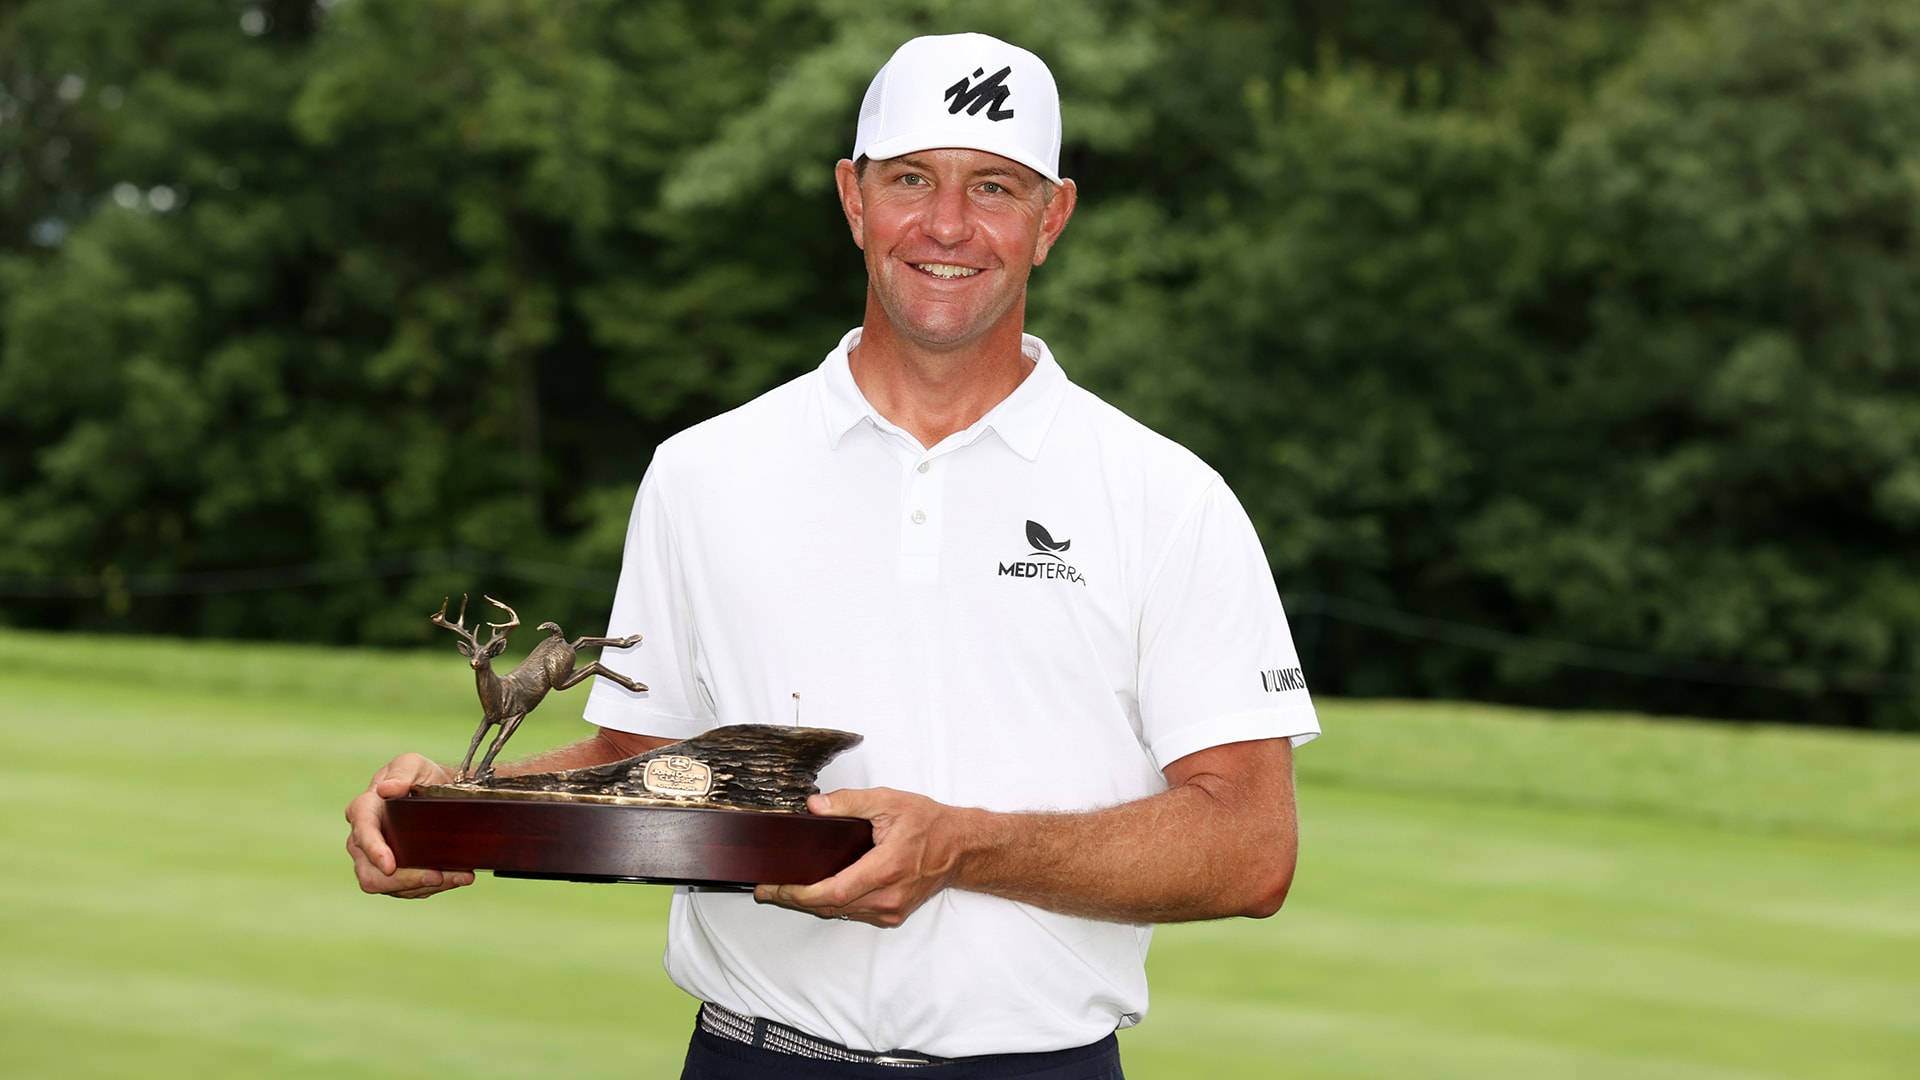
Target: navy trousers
pixel 710 1057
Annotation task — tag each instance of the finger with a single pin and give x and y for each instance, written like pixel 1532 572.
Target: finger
pixel 423 882
pixel 412 883
pixel 433 882
pixel 367 815
pixel 371 877
pixel 783 896
pixel 834 894
pixel 448 883
pixel 776 894
pixel 820 897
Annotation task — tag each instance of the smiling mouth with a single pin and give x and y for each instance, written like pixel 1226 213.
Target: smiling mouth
pixel 945 271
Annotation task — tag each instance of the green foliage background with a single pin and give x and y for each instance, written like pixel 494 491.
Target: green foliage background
pixel 1586 322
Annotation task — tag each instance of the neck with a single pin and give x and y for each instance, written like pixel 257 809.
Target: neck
pixel 932 392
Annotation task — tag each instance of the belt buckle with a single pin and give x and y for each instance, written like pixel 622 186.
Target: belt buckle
pixel 896 1057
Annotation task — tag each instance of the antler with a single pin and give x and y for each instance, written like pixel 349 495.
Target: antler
pixel 500 629
pixel 459 626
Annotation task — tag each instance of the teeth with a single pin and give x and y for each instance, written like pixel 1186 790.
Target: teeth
pixel 942 270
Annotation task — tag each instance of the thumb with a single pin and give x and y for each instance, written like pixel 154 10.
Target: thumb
pixel 846 802
pixel 851 802
pixel 402 773
pixel 392 787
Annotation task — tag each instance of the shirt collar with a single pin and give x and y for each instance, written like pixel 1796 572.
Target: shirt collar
pixel 1021 419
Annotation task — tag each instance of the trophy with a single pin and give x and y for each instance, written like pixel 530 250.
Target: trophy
pixel 726 809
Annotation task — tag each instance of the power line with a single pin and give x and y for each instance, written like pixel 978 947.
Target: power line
pixel 276 578
pixel 1408 624
pixel 1598 658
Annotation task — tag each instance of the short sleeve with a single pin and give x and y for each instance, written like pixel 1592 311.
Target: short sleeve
pixel 651 600
pixel 1217 660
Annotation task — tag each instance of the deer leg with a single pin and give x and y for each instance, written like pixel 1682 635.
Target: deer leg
pixel 508 726
pixel 572 678
pixel 474 745
pixel 627 642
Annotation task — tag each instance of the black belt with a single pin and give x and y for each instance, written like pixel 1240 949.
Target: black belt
pixel 781 1039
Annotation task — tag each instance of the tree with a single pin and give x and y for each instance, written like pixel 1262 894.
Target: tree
pixel 1569 340
pixel 1742 207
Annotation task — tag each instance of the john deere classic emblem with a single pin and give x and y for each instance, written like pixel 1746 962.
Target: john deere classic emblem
pixel 675 775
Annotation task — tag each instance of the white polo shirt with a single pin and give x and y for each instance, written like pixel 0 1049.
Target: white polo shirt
pixel 1040 613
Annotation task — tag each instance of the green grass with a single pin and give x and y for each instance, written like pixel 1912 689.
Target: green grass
pixel 1745 776
pixel 1481 893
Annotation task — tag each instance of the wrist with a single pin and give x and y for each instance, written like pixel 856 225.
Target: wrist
pixel 977 837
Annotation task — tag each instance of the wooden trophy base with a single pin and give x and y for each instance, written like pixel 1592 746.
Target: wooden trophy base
pixel 598 841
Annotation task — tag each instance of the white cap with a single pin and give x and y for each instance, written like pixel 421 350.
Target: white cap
pixel 963 90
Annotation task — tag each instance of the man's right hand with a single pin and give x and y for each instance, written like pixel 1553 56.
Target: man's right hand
pixel 373 861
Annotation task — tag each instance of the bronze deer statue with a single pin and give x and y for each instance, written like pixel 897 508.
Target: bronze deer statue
pixel 507 699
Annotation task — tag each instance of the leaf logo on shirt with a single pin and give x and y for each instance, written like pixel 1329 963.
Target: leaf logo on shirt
pixel 1037 536
pixel 1044 563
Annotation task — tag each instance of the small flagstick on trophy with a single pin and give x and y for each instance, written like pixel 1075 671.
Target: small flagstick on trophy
pixel 725 809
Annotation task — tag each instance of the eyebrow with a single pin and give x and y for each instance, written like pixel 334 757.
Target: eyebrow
pixel 985 170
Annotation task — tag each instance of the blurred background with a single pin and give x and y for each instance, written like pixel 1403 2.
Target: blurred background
pixel 1564 353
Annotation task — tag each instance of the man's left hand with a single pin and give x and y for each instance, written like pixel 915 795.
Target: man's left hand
pixel 917 844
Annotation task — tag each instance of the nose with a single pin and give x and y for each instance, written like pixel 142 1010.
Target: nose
pixel 949 219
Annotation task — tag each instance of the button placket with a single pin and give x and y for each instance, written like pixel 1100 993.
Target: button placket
pixel 920 518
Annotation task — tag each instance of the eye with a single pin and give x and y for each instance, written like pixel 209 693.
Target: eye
pixel 992 188
pixel 912 179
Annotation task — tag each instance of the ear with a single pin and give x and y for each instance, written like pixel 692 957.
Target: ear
pixel 1053 220
pixel 851 202
pixel 466 650
pixel 497 646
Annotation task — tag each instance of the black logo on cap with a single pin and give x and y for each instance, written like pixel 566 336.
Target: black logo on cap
pixel 989 93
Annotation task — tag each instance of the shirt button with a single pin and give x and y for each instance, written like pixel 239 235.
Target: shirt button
pixel 919 517
pixel 924 466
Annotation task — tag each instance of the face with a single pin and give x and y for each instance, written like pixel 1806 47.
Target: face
pixel 950 237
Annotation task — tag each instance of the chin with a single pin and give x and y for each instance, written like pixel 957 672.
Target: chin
pixel 940 333
pixel 946 324
pixel 935 327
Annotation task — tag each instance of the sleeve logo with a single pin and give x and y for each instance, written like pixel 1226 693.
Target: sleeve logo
pixel 1277 680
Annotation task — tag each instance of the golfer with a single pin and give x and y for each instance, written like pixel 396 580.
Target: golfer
pixel 1056 630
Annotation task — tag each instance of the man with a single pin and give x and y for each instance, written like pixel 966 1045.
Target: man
pixel 1055 629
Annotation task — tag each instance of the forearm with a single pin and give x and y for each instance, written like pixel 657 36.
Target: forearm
pixel 1219 841
pixel 603 746
pixel 1200 850
pixel 1157 860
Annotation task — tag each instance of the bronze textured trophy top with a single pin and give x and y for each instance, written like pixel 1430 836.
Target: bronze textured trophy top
pixel 739 766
